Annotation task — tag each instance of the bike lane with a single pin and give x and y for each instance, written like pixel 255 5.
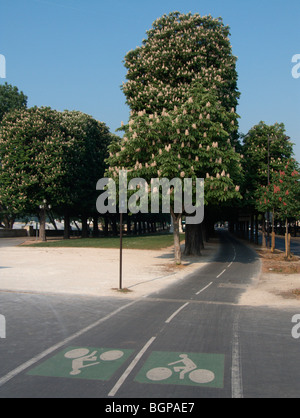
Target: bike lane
pixel 141 329
pixel 168 345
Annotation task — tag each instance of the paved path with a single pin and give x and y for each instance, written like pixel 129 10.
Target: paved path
pixel 192 340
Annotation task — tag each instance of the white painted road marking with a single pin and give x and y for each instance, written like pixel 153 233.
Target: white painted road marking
pixel 202 290
pixel 221 274
pixel 236 369
pixel 175 313
pixel 130 367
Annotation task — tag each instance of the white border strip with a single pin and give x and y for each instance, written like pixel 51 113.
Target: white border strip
pixel 236 369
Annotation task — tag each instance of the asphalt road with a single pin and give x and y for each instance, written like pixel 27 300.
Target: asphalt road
pixel 12 242
pixel 188 342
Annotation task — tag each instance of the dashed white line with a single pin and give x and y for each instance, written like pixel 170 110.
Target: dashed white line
pixel 221 274
pixel 202 290
pixel 175 313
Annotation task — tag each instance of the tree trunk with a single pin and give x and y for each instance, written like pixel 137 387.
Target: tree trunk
pixel 273 233
pixel 176 234
pixel 256 229
pixel 114 227
pixel 287 240
pixel 42 217
pixel 52 220
pixel 106 226
pixel 95 227
pixel 193 240
pixel 84 231
pixel 67 226
pixel 128 225
pixel 8 222
pixel 263 238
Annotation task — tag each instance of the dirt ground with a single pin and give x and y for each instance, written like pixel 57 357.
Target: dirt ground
pixel 278 284
pixel 94 271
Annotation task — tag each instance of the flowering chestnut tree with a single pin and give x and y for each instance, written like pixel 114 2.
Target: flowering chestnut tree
pixel 266 149
pixel 182 91
pixel 282 194
pixel 85 164
pixel 32 146
pixel 53 156
pixel 11 98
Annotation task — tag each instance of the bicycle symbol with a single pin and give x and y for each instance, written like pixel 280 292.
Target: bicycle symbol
pixel 188 367
pixel 80 356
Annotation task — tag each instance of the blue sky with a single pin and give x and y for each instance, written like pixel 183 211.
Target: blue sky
pixel 68 54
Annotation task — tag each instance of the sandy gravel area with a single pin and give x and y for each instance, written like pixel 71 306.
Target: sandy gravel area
pixel 93 272
pixel 273 290
pixel 278 284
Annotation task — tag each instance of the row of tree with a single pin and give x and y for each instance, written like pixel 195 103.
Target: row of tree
pixel 48 156
pixel 182 93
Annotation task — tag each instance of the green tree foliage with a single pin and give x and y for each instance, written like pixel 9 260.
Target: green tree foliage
pixel 32 147
pixel 11 98
pixel 282 194
pixel 179 49
pixel 182 91
pixel 45 154
pixel 271 181
pixel 265 148
pixel 86 162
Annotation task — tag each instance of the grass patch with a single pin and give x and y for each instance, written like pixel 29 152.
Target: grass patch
pixel 143 242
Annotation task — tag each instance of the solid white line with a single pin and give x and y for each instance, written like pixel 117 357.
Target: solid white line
pixel 50 350
pixel 130 368
pixel 175 313
pixel 221 274
pixel 202 290
pixel 236 369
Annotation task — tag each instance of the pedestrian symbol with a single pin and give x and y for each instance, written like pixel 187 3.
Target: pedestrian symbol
pixel 183 369
pixel 84 363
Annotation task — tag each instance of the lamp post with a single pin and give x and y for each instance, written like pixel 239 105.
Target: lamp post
pixel 122 210
pixel 43 212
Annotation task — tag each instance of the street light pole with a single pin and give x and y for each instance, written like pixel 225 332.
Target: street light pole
pixel 122 209
pixel 121 249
